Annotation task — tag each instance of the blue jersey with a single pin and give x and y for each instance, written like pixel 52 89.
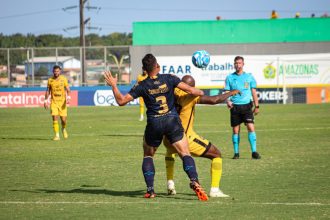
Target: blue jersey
pixel 158 94
pixel 244 82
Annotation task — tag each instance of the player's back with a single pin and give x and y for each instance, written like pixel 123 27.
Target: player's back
pixel 185 105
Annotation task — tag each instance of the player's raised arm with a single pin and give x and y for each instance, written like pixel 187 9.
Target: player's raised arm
pixel 112 81
pixel 216 99
pixel 189 89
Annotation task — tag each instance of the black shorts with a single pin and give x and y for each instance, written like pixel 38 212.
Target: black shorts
pixel 241 113
pixel 169 126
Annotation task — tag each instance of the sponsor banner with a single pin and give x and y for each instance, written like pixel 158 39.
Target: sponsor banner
pixel 101 98
pixel 269 70
pixel 29 99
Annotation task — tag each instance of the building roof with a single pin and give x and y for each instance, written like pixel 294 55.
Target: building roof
pixel 50 59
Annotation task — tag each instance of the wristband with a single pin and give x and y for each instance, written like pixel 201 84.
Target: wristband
pixel 68 97
pixel 257 106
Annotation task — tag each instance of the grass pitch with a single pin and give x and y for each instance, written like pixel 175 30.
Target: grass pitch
pixel 96 173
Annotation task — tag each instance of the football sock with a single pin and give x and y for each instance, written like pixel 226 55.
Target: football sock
pixel 169 162
pixel 253 141
pixel 216 172
pixel 56 128
pixel 141 111
pixel 63 125
pixel 148 170
pixel 190 168
pixel 235 139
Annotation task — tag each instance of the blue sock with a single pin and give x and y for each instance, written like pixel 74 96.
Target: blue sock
pixel 235 139
pixel 190 168
pixel 148 170
pixel 253 141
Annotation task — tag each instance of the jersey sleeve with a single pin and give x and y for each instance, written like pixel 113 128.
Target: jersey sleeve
pixel 65 82
pixel 135 91
pixel 227 84
pixel 253 83
pixel 174 80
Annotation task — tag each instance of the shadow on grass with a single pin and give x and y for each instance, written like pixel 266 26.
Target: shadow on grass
pixel 132 194
pixel 122 135
pixel 25 138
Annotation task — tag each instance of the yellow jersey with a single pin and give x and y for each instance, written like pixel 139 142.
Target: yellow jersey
pixel 141 77
pixel 57 88
pixel 185 104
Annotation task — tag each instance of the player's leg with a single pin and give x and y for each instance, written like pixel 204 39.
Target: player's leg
pixel 253 140
pixel 55 112
pixel 252 137
pixel 63 112
pixel 56 128
pixel 235 121
pixel 148 169
pixel 169 162
pixel 175 134
pixel 64 123
pixel 141 109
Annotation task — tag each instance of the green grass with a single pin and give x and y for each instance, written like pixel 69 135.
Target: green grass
pixel 96 173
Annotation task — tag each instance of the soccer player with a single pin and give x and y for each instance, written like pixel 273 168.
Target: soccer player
pixel 59 90
pixel 140 78
pixel 157 91
pixel 241 106
pixel 198 146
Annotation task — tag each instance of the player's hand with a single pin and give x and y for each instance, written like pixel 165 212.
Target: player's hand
pixel 68 99
pixel 46 104
pixel 235 92
pixel 229 104
pixel 111 81
pixel 255 111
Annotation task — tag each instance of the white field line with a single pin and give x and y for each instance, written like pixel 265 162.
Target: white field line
pixel 150 202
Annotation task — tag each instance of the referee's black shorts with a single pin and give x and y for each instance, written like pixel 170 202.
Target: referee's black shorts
pixel 241 113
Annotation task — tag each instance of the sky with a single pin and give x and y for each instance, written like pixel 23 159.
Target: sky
pixel 107 16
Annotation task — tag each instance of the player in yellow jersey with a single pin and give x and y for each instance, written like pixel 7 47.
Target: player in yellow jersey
pixel 59 90
pixel 140 78
pixel 198 146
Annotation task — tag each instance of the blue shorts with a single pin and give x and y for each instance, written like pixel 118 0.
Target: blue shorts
pixel 168 125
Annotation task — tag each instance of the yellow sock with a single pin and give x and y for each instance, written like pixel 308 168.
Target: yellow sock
pixel 56 128
pixel 141 110
pixel 169 161
pixel 216 172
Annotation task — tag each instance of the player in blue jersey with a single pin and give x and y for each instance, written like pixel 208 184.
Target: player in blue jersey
pixel 157 91
pixel 242 109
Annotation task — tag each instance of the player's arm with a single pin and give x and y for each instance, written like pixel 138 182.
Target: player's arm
pixel 120 98
pixel 46 102
pixel 255 101
pixel 216 99
pixel 190 90
pixel 68 91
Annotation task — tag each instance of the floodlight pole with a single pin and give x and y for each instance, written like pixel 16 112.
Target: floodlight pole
pixel 82 41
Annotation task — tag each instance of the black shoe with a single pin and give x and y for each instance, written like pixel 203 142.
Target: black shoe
pixel 256 156
pixel 236 156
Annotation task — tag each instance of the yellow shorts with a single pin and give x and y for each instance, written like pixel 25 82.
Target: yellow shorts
pixel 59 109
pixel 197 144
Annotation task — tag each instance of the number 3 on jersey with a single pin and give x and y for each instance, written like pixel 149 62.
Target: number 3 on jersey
pixel 163 104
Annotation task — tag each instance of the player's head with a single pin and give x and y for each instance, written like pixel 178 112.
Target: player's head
pixel 188 80
pixel 149 63
pixel 56 71
pixel 239 63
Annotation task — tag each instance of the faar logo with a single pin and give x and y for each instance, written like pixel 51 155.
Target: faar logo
pixel 269 71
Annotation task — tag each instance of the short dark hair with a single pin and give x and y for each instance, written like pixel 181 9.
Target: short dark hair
pixel 238 58
pixel 148 62
pixel 56 67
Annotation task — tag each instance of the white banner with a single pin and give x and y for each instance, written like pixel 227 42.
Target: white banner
pixel 269 70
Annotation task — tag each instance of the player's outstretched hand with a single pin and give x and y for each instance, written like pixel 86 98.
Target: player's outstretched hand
pixel 111 81
pixel 235 92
